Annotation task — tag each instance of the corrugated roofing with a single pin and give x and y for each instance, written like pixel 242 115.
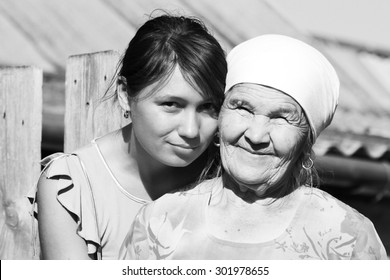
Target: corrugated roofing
pixel 55 29
pixel 44 33
pixel 361 125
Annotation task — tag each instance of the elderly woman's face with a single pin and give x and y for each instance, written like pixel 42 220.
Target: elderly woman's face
pixel 261 129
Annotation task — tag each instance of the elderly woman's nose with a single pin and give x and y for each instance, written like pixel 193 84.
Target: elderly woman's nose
pixel 189 125
pixel 258 130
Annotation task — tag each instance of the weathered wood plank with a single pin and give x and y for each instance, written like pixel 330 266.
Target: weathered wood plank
pixel 20 153
pixel 86 115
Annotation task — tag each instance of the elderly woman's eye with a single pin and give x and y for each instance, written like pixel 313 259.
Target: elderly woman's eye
pixel 280 119
pixel 239 105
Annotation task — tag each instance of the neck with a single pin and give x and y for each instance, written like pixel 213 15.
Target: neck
pixel 264 193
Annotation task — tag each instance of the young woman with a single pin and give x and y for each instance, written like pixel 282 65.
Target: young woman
pixel 170 84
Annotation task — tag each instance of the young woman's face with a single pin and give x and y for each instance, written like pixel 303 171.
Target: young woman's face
pixel 175 124
pixel 261 129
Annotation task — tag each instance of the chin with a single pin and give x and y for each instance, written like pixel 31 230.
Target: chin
pixel 178 162
pixel 250 179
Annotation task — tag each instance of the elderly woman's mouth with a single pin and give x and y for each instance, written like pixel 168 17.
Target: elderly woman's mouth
pixel 255 152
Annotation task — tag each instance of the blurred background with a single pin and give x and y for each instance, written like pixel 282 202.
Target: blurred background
pixel 353 154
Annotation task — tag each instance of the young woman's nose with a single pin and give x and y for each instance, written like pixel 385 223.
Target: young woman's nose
pixel 189 125
pixel 258 130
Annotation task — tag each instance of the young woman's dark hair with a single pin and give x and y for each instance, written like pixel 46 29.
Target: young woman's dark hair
pixel 168 41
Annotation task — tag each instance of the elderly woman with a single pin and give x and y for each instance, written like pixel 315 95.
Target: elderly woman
pixel 280 94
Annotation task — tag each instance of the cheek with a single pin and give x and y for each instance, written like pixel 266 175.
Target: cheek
pixel 151 125
pixel 147 125
pixel 285 141
pixel 226 154
pixel 230 128
pixel 208 128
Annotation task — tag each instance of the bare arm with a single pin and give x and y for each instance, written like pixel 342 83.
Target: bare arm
pixel 57 228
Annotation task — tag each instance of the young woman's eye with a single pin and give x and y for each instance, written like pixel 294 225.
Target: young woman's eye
pixel 209 108
pixel 170 105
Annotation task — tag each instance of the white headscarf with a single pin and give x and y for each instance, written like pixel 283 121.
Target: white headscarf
pixel 292 67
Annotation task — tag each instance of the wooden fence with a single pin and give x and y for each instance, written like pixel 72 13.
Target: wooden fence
pixel 87 79
pixel 86 114
pixel 20 151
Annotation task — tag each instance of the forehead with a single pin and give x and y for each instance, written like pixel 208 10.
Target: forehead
pixel 173 85
pixel 259 95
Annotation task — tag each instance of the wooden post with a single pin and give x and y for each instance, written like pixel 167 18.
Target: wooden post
pixel 20 153
pixel 87 116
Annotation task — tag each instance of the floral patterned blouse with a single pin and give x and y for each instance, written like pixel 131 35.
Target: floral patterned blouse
pixel 174 227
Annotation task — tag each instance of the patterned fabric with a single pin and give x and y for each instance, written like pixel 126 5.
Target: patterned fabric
pixel 174 227
pixel 115 211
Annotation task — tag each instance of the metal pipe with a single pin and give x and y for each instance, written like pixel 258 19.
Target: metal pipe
pixel 356 172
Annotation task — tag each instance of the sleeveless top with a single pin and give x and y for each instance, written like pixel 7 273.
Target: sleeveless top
pixel 175 227
pixel 87 188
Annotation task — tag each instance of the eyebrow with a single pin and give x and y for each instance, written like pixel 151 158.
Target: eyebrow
pixel 179 98
pixel 284 108
pixel 288 108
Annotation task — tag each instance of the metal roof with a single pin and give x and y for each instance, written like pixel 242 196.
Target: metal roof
pixel 44 33
pixel 361 125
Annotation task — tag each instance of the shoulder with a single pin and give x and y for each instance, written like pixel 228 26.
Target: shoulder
pixel 60 158
pixel 55 165
pixel 63 174
pixel 334 229
pixel 332 212
pixel 326 201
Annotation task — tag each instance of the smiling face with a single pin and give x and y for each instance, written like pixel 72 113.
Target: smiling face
pixel 174 124
pixel 261 132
